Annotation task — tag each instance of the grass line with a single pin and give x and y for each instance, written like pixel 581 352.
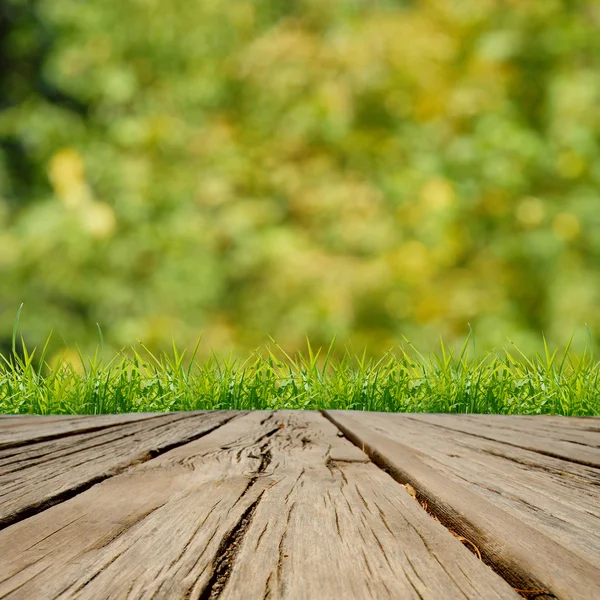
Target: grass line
pixel 495 385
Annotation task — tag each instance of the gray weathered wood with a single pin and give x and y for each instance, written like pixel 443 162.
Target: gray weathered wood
pixel 519 551
pixel 32 428
pixel 35 476
pixel 553 428
pixel 267 506
pixel 476 426
pixel 557 497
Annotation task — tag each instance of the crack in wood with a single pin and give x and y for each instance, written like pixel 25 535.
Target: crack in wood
pixel 261 536
pixel 281 555
pixel 433 554
pixel 267 592
pixel 415 590
pixel 331 464
pixel 348 504
pixel 535 467
pixel 230 544
pixel 24 583
pixel 287 496
pixel 570 459
pixel 64 434
pixel 59 454
pixel 268 417
pixel 128 592
pixel 383 519
pixel 194 534
pixel 265 459
pixel 228 549
pixel 122 530
pixel 90 579
pixel 38 507
pixel 578 443
pixel 417 574
pixel 337 522
pixel 21 570
pixel 387 560
pixel 362 498
pixel 367 563
pixel 448 517
pixel 247 548
pixel 269 434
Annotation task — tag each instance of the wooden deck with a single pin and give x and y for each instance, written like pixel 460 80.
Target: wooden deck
pixel 299 504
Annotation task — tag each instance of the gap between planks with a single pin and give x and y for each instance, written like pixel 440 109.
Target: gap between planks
pixel 518 553
pixel 22 431
pixel 36 476
pixel 269 505
pixel 229 547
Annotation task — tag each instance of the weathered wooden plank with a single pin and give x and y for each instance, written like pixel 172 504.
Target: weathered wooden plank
pixel 559 498
pixel 267 506
pixel 519 551
pixel 581 431
pixel 553 428
pixel 581 453
pixel 38 475
pixel 582 419
pixel 34 428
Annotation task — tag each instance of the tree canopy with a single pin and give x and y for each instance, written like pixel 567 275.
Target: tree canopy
pixel 241 169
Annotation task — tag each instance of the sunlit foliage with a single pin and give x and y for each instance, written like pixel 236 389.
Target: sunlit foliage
pixel 300 168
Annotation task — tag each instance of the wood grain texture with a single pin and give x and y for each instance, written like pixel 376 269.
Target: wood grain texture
pixel 34 428
pixel 559 498
pixel 526 557
pixel 482 428
pixel 37 475
pixel 559 429
pixel 270 505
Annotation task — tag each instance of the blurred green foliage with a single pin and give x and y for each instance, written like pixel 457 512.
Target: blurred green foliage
pixel 238 169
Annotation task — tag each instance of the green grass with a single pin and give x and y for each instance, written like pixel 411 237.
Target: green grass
pixel 131 382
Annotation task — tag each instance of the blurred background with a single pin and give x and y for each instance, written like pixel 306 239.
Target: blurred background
pixel 234 169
